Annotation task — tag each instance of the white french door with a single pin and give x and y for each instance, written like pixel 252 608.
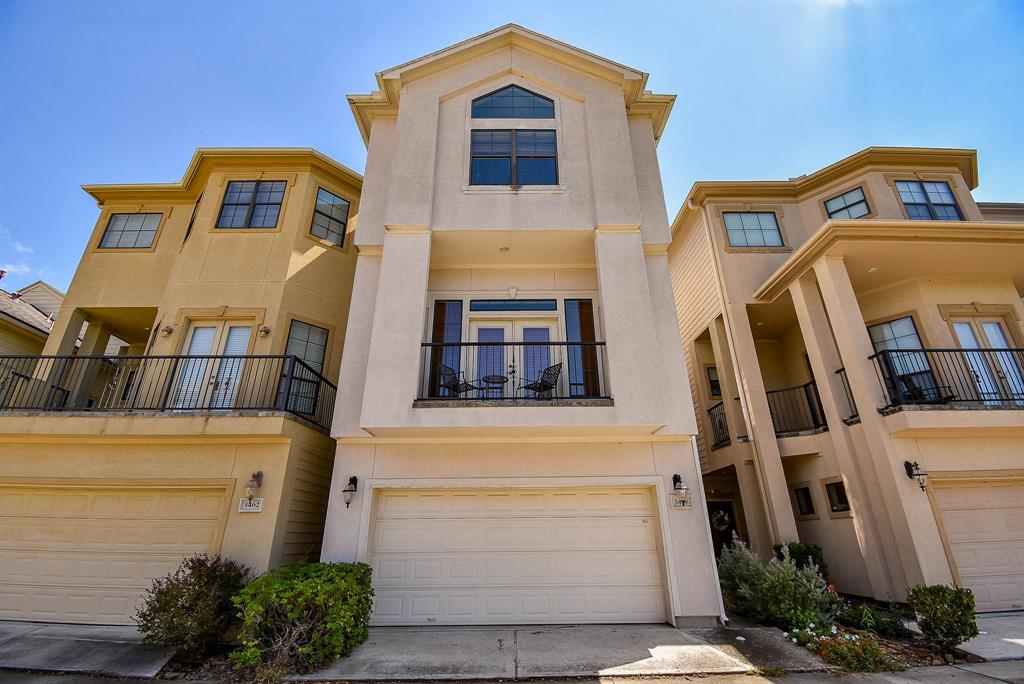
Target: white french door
pixel 509 353
pixel 211 382
pixel 997 375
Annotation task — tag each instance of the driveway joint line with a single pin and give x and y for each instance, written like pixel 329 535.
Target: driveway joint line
pixel 746 666
pixel 21 634
pixel 975 672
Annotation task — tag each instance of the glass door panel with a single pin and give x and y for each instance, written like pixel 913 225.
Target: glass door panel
pixel 492 360
pixel 1007 364
pixel 229 370
pixel 537 355
pixel 984 378
pixel 193 374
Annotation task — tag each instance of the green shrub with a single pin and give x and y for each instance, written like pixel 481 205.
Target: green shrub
pixel 886 622
pixel 777 592
pixel 804 554
pixel 944 614
pixel 851 652
pixel 190 609
pixel 302 617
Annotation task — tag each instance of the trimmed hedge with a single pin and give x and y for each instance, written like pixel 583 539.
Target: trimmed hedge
pixel 302 617
pixel 944 614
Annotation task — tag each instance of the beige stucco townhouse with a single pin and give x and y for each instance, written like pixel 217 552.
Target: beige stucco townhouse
pixel 857 360
pixel 514 427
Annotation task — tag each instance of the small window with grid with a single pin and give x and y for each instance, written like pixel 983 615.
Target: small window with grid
pixel 849 205
pixel 251 204
pixel 928 201
pixel 330 216
pixel 752 228
pixel 130 231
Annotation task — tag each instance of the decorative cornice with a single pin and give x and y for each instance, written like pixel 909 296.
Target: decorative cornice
pixel 920 232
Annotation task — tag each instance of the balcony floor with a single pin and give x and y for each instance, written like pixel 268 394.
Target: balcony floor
pixel 505 403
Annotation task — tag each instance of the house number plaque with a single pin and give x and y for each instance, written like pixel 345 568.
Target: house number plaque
pixel 246 505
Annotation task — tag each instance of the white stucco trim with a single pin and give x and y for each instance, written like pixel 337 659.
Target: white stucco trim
pixel 673 606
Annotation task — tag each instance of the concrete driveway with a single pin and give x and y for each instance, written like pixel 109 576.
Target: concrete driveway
pixel 94 649
pixel 1002 637
pixel 426 653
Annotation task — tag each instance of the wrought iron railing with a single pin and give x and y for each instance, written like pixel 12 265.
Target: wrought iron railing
pixel 719 425
pixel 166 383
pixel 474 371
pixel 851 406
pixel 796 409
pixel 983 377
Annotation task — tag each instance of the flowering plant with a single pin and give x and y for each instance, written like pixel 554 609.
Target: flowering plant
pixel 851 652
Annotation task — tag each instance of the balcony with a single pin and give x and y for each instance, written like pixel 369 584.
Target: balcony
pixel 719 426
pixel 796 410
pixel 525 373
pixel 178 384
pixel 951 378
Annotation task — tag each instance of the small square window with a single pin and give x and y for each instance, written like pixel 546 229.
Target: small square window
pixel 330 216
pixel 752 228
pixel 130 231
pixel 804 502
pixel 837 501
pixel 849 205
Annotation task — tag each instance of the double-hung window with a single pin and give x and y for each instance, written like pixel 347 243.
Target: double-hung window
pixel 752 228
pixel 251 204
pixel 505 157
pixel 330 215
pixel 849 205
pixel 928 201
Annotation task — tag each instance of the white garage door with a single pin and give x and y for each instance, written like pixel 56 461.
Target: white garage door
pixel 525 556
pixel 86 553
pixel 984 522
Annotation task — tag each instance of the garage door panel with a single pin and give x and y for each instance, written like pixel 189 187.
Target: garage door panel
pixel 524 606
pixel 525 503
pixel 507 556
pixel 483 535
pixel 559 568
pixel 984 525
pixel 77 554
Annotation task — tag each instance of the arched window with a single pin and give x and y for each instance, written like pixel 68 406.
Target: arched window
pixel 513 102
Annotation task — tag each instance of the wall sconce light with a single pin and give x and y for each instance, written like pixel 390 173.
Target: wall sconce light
pixel 681 491
pixel 254 483
pixel 915 472
pixel 263 331
pixel 166 330
pixel 349 490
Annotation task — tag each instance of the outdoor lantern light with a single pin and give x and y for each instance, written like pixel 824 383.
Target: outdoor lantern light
pixel 349 490
pixel 254 483
pixel 166 330
pixel 914 472
pixel 263 330
pixel 679 486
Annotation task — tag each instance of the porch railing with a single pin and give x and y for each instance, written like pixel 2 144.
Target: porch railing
pixel 477 371
pixel 719 426
pixel 982 377
pixel 851 406
pixel 796 409
pixel 166 383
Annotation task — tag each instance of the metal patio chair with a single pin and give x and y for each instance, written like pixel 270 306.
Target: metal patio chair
pixel 547 381
pixel 453 383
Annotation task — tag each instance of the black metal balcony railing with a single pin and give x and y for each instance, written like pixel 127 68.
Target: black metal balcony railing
pixel 719 425
pixel 166 383
pixel 984 377
pixel 469 371
pixel 796 409
pixel 851 406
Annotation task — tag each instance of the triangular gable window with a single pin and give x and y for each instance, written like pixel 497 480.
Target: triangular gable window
pixel 513 102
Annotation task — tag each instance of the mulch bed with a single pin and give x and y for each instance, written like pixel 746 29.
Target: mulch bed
pixel 215 668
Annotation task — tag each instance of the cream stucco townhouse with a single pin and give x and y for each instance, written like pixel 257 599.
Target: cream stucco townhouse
pixel 515 434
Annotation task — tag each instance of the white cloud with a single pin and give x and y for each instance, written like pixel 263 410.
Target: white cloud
pixel 22 248
pixel 20 268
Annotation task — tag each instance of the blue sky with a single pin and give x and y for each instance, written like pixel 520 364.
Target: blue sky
pixel 97 92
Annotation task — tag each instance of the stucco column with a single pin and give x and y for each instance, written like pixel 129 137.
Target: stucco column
pixel 64 333
pixel 909 513
pixel 352 375
pixel 767 458
pixel 824 359
pixel 632 349
pixel 727 380
pixel 393 363
pixel 758 535
pixel 94 343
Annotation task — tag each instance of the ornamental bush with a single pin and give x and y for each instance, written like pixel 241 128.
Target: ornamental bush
pixel 190 609
pixel 803 554
pixel 777 592
pixel 302 617
pixel 944 614
pixel 851 652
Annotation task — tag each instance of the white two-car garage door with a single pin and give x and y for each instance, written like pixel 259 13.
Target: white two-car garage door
pixel 984 523
pixel 527 556
pixel 87 553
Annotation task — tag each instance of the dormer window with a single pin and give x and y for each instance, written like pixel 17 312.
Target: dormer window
pixel 513 102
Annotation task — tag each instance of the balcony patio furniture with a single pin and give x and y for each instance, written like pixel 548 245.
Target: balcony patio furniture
pixel 453 382
pixel 547 381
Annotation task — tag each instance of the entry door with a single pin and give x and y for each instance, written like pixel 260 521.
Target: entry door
pixel 207 381
pixel 537 354
pixel 997 374
pixel 501 368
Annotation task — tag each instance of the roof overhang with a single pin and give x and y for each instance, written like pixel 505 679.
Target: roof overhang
pixel 384 101
pixel 796 189
pixel 207 158
pixel 998 249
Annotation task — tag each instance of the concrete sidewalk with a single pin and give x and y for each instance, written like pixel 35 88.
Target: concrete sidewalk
pixel 94 649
